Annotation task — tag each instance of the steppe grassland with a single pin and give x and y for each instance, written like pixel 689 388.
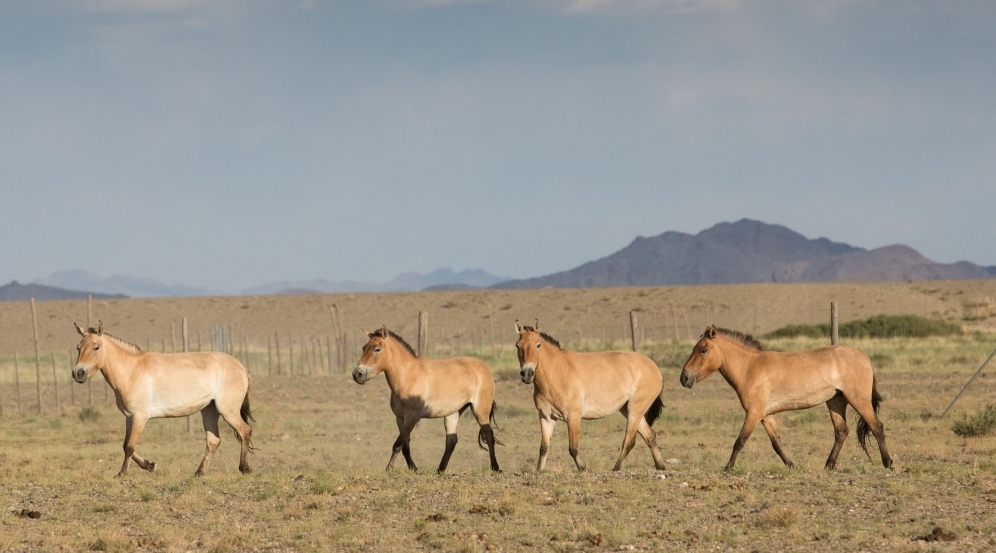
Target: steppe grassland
pixel 323 442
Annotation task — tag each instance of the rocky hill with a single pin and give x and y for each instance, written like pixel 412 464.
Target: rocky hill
pixel 23 292
pixel 749 251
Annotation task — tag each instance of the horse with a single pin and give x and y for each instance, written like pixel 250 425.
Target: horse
pixel 769 382
pixel 428 389
pixel 571 386
pixel 149 385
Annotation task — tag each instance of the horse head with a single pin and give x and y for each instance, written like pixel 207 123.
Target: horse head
pixel 375 356
pixel 528 349
pixel 90 356
pixel 705 358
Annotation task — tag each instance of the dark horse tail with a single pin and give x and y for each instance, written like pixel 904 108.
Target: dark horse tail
pixel 654 411
pixel 863 429
pixel 246 413
pixel 482 437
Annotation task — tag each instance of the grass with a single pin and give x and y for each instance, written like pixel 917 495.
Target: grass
pixel 323 441
pixel 977 424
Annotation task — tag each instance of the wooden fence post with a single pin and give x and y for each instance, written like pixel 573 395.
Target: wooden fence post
pixel 340 339
pixel 276 339
pixel 290 353
pixel 634 330
pixel 834 336
pixel 186 347
pixel 34 327
pixel 423 331
pixel 17 383
pixel 55 385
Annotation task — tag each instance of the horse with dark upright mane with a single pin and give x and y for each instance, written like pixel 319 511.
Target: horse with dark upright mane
pixel 430 388
pixel 768 382
pixel 571 386
pixel 149 385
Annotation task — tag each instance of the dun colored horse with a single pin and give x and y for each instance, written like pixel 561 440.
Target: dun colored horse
pixel 769 382
pixel 150 385
pixel 428 389
pixel 572 386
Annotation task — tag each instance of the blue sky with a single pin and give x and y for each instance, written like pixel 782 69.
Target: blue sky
pixel 228 144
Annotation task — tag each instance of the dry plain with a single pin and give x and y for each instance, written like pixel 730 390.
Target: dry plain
pixel 323 441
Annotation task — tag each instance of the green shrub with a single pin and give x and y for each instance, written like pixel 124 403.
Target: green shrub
pixel 89 414
pixel 978 424
pixel 878 326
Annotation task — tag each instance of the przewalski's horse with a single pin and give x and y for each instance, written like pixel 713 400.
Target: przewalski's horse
pixel 150 385
pixel 769 382
pixel 429 389
pixel 571 386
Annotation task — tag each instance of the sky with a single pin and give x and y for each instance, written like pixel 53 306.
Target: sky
pixel 228 144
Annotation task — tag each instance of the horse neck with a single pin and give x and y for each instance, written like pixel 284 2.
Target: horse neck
pixel 550 367
pixel 399 368
pixel 118 363
pixel 737 359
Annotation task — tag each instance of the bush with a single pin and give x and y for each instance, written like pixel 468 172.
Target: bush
pixel 878 326
pixel 89 414
pixel 978 424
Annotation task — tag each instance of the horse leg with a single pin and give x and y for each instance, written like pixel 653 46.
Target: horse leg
pixel 867 412
pixel 574 439
pixel 209 417
pixel 629 437
pixel 233 416
pixel 450 424
pixel 750 422
pixel 405 427
pixel 649 436
pixel 133 431
pixel 489 438
pixel 771 427
pixel 838 416
pixel 546 431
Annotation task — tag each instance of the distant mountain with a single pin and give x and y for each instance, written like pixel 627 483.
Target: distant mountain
pixel 24 292
pixel 137 287
pixel 443 278
pixel 749 251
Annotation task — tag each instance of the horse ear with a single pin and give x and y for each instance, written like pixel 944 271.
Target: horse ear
pixel 78 329
pixel 100 327
pixel 537 325
pixel 383 331
pixel 518 327
pixel 710 332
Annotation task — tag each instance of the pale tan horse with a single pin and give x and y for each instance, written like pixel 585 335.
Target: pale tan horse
pixel 768 382
pixel 150 385
pixel 571 386
pixel 429 389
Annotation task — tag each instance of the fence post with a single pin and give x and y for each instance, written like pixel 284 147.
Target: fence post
pixel 17 382
pixel 290 353
pixel 276 339
pixel 55 385
pixel 34 327
pixel 423 330
pixel 834 337
pixel 72 389
pixel 186 347
pixel 633 326
pixel 340 341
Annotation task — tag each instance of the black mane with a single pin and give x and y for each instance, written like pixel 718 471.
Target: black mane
pixel 742 337
pixel 383 332
pixel 544 335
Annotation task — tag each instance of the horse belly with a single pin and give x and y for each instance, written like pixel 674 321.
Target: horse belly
pixel 803 398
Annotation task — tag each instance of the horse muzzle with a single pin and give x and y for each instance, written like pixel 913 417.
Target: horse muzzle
pixel 80 374
pixel 688 380
pixel 361 375
pixel 527 373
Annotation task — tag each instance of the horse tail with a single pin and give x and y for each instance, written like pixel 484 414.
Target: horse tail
pixel 654 411
pixel 481 435
pixel 862 428
pixel 246 413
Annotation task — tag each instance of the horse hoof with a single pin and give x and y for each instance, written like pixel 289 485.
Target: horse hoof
pixel 151 467
pixel 245 470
